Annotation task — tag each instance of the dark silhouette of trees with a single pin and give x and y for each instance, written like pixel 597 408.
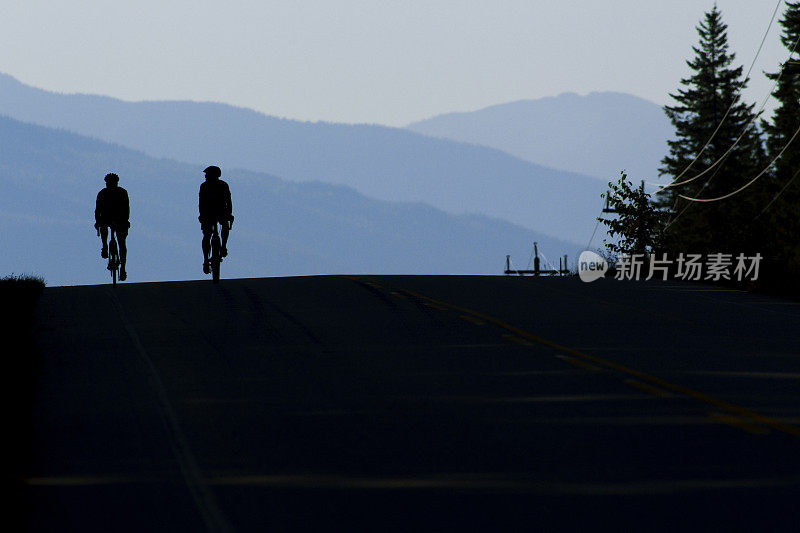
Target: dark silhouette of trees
pixel 638 223
pixel 19 295
pixel 780 216
pixel 709 95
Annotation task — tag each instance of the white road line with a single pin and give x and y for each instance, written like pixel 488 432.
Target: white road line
pixel 201 493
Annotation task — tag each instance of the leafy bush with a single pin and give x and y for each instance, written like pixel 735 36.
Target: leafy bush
pixel 19 295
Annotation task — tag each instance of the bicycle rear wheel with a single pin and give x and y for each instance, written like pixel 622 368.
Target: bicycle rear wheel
pixel 216 258
pixel 113 261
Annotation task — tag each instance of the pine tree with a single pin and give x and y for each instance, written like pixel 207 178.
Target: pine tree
pixel 781 220
pixel 712 90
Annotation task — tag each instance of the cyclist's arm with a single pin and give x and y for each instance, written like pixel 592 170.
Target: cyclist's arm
pixel 228 202
pixel 200 204
pixel 98 209
pixel 126 209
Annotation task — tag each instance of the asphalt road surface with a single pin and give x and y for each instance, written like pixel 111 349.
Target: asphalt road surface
pixel 415 403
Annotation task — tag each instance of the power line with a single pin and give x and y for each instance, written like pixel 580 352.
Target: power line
pixel 747 127
pixel 779 193
pixel 595 228
pixel 530 259
pixel 752 181
pixel 733 102
pixel 718 162
pixel 721 159
pixel 547 261
pixel 689 204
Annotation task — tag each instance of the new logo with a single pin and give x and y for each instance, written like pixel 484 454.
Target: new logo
pixel 591 266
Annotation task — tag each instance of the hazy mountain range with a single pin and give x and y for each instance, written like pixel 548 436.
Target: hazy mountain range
pixel 50 179
pixel 597 135
pixel 383 163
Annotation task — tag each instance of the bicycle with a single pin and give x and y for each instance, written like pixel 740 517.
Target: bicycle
pixel 216 248
pixel 113 254
pixel 216 253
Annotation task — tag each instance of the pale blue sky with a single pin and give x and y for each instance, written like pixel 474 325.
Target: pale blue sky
pixel 377 61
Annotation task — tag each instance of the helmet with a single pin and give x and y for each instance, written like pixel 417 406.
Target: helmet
pixel 213 172
pixel 111 177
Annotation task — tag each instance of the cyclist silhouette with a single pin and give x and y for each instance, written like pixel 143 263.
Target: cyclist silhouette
pixel 113 209
pixel 215 206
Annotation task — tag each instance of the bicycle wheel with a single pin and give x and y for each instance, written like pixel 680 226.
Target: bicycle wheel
pixel 113 260
pixel 216 258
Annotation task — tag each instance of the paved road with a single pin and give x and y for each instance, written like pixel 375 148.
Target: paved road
pixel 415 403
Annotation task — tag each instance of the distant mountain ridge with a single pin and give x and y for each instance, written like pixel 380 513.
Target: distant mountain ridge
pixel 597 135
pixel 384 163
pixel 50 179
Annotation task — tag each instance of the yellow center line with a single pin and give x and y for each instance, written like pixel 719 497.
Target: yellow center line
pixel 473 320
pixel 648 388
pixel 579 363
pixel 481 481
pixel 85 481
pixel 710 290
pixel 518 340
pixel 643 376
pixel 739 423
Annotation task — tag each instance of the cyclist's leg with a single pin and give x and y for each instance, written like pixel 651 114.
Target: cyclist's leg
pixel 224 236
pixel 206 243
pixel 122 234
pixel 104 238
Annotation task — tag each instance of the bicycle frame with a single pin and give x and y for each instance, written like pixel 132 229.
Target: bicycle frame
pixel 216 253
